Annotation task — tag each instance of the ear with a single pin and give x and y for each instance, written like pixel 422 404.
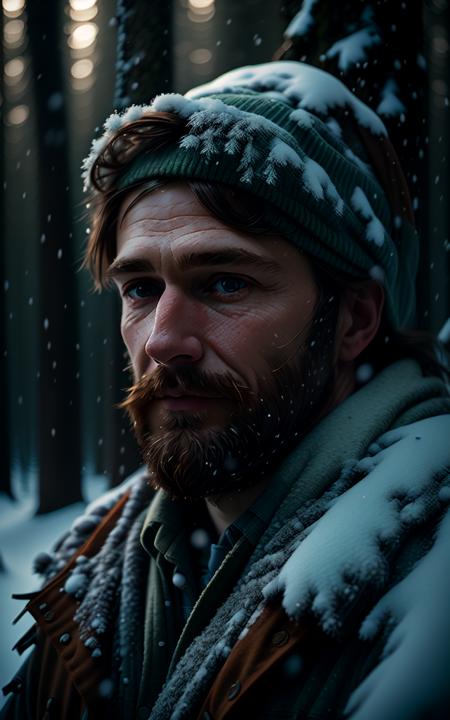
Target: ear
pixel 359 320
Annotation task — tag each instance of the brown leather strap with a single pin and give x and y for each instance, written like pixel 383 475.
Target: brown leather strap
pixel 269 641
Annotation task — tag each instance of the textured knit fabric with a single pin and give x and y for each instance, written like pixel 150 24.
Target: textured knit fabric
pixel 295 137
pixel 166 535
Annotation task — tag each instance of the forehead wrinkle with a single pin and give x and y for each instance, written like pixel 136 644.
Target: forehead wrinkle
pixel 183 220
pixel 143 215
pixel 226 256
pixel 141 230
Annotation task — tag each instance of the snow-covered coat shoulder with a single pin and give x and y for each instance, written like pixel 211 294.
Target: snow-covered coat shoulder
pixel 406 482
pixel 341 549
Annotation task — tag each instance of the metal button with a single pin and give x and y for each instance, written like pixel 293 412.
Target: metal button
pixel 280 638
pixel 65 638
pixel 49 616
pixel 43 606
pixel 49 703
pixel 234 690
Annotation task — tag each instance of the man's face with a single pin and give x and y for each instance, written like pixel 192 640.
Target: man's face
pixel 216 322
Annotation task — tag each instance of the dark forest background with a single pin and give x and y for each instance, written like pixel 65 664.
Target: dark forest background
pixel 66 66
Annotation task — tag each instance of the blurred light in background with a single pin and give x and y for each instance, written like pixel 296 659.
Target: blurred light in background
pixel 82 69
pixel 195 31
pixel 13 8
pixel 201 5
pixel 14 69
pixel 83 15
pixel 200 10
pixel 14 33
pixel 440 44
pixel 82 74
pixel 80 5
pixel 82 43
pixel 18 115
pixel 81 85
pixel 200 56
pixel 439 86
pixel 83 36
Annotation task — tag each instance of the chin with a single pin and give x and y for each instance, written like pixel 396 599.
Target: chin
pixel 193 461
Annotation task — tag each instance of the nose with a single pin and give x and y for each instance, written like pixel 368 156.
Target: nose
pixel 176 331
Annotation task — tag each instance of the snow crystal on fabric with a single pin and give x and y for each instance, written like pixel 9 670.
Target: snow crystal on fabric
pixel 374 229
pixel 303 86
pixel 104 570
pixel 76 584
pixel 306 89
pixel 318 183
pixel 302 118
pixel 337 557
pixel 281 154
pixel 94 581
pixel 417 607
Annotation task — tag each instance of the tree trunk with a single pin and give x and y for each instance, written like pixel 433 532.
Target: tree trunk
pixel 144 66
pixel 5 452
pixel 58 405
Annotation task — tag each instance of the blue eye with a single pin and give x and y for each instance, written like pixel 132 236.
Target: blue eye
pixel 229 284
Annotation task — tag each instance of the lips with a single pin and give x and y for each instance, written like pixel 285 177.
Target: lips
pixel 185 401
pixel 184 394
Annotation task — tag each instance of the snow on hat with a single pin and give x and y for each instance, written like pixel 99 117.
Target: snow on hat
pixel 297 137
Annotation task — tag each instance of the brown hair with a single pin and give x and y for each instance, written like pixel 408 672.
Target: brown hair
pixel 239 210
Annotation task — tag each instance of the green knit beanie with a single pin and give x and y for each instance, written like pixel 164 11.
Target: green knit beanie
pixel 296 137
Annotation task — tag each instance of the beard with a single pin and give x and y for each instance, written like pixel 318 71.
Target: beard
pixel 191 460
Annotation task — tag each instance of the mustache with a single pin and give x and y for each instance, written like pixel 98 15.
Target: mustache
pixel 188 380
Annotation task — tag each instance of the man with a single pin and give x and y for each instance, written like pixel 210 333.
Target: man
pixel 285 552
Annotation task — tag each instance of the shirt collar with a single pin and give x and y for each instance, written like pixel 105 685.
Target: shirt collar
pixel 168 521
pixel 256 519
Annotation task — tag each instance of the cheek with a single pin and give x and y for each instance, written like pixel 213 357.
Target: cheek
pixel 250 340
pixel 134 336
pixel 251 343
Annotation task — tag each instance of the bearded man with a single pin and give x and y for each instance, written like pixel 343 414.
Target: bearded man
pixel 284 553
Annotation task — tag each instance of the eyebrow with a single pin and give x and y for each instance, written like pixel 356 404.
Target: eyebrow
pixel 192 260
